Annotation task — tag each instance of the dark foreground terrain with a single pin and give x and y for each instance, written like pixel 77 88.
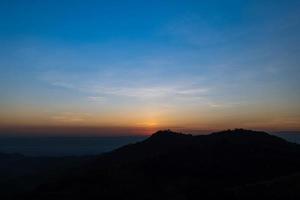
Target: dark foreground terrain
pixel 233 164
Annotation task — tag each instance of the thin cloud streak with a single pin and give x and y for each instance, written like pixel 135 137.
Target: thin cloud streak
pixel 133 91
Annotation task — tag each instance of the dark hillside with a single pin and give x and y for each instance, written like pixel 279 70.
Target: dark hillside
pixel 171 165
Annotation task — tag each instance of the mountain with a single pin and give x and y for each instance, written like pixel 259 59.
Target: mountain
pixel 232 164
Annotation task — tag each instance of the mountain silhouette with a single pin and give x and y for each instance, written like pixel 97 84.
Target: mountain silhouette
pixel 232 164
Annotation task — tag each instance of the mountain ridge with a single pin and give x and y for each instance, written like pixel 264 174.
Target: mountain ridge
pixel 170 165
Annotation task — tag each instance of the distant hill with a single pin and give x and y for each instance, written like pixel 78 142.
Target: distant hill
pixel 232 164
pixel 291 136
pixel 63 145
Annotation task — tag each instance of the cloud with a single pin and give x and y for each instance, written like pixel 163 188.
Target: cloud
pixel 96 98
pixel 225 105
pixel 152 91
pixel 71 117
pixel 99 89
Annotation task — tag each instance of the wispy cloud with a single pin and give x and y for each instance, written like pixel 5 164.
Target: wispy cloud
pixel 152 91
pixel 98 88
pixel 96 98
pixel 71 117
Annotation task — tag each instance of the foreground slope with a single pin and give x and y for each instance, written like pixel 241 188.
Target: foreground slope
pixel 171 165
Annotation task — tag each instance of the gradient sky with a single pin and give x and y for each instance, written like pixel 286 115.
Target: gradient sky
pixel 145 65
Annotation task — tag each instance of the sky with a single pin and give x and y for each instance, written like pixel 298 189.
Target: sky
pixel 138 66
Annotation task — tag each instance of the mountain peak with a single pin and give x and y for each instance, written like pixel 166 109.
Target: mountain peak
pixel 248 136
pixel 239 131
pixel 167 134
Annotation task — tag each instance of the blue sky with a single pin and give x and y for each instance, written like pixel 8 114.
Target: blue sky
pixel 187 64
